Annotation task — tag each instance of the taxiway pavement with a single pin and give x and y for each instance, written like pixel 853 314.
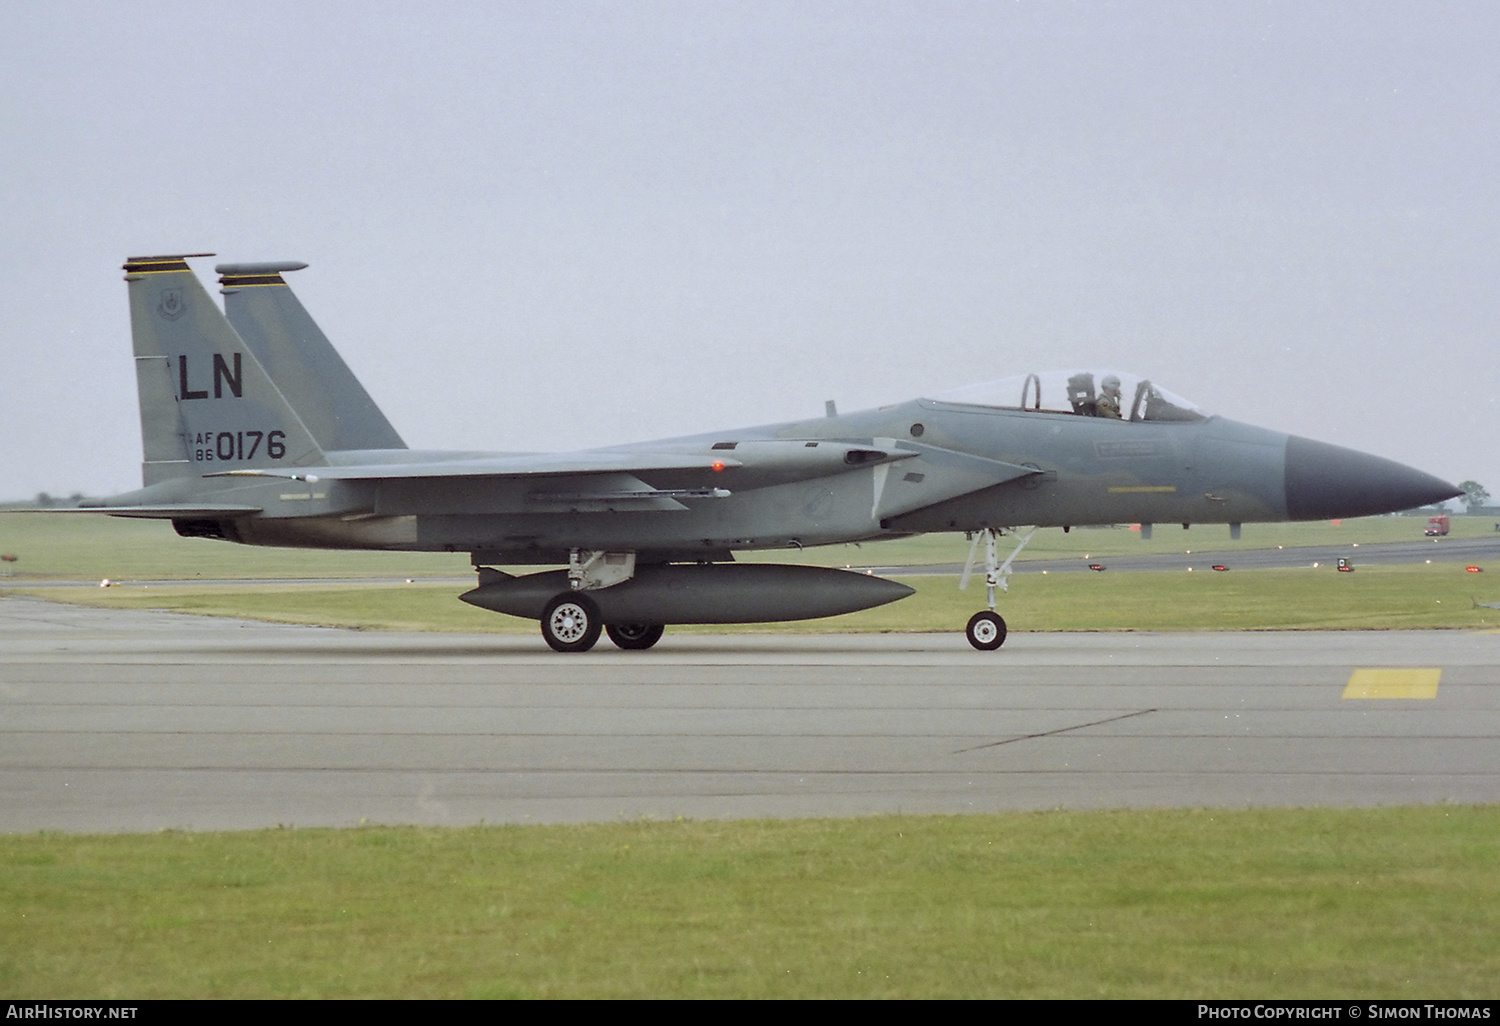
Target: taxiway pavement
pixel 130 721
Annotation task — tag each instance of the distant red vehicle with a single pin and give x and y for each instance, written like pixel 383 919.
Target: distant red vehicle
pixel 1437 527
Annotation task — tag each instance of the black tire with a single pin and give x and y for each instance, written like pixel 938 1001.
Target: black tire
pixel 570 623
pixel 986 630
pixel 634 637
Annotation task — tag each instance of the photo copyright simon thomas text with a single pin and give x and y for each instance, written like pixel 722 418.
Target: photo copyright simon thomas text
pixel 1275 1010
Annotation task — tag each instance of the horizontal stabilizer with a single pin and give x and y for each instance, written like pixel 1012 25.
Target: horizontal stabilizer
pixel 165 511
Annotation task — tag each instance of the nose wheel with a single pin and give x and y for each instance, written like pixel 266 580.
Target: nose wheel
pixel 570 623
pixel 986 630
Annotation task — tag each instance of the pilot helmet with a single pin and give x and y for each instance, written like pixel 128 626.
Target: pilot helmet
pixel 1111 383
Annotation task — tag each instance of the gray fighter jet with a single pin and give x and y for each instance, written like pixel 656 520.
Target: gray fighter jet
pixel 255 431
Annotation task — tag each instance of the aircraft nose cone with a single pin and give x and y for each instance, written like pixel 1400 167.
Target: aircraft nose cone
pixel 1328 481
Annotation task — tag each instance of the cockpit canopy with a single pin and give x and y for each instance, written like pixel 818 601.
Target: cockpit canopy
pixel 1078 393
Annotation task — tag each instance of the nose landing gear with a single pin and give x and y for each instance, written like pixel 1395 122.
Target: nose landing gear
pixel 986 629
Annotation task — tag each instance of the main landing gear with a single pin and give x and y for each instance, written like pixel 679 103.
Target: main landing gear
pixel 986 629
pixel 570 623
pixel 634 637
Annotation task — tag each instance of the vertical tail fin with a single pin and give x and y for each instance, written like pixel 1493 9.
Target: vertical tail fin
pixel 206 403
pixel 301 361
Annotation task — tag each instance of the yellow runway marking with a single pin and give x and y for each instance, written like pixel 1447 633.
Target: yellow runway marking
pixel 1393 684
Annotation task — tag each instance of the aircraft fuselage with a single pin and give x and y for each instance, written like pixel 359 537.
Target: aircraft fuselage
pixel 1081 470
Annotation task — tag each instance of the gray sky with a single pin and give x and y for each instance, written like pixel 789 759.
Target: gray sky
pixel 556 225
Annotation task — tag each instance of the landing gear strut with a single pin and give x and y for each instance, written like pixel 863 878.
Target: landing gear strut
pixel 986 629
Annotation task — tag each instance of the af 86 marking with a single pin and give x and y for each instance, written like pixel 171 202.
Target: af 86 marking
pixel 234 446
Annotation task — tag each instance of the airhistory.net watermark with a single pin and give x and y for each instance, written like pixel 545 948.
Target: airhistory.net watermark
pixel 67 1010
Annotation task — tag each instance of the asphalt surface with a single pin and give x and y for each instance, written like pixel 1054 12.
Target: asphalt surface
pixel 134 721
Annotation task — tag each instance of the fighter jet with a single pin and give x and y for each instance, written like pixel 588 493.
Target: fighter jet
pixel 255 431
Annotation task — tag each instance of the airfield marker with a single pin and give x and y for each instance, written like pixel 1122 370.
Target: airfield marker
pixel 1392 684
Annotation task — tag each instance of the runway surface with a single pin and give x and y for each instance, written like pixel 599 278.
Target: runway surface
pixel 127 721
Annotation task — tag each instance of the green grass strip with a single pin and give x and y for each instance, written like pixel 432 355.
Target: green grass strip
pixel 1369 903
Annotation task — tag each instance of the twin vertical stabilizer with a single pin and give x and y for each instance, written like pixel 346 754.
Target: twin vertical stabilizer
pixel 299 358
pixel 207 404
pixel 257 387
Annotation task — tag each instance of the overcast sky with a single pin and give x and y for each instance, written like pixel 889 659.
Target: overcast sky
pixel 558 225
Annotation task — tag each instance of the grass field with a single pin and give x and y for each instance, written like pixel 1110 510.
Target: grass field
pixel 77 546
pixel 1377 903
pixel 80 547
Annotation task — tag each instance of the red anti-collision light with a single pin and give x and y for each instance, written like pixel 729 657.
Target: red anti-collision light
pixel 718 464
pixel 1474 569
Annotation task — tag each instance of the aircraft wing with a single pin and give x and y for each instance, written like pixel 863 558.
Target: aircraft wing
pixel 523 465
pixel 617 479
pixel 750 463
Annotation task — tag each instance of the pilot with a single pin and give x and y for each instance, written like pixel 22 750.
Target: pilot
pixel 1108 403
